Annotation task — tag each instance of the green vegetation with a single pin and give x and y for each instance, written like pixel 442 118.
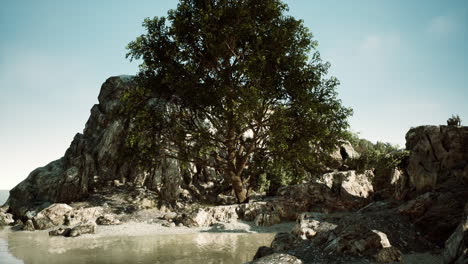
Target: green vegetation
pixel 379 156
pixel 455 120
pixel 231 85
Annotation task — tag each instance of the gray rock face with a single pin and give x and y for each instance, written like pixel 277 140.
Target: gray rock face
pixel 438 153
pixel 95 157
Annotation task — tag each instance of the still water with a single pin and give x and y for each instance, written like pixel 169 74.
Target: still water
pixel 205 248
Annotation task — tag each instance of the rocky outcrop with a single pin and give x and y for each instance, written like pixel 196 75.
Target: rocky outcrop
pixel 93 158
pixel 437 154
pixel 62 214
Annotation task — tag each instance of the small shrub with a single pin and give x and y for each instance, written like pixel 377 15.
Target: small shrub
pixel 454 121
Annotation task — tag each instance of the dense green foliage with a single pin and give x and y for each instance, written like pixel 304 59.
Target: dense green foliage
pixel 379 156
pixel 236 90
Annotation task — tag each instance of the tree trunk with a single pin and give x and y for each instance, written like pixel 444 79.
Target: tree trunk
pixel 238 187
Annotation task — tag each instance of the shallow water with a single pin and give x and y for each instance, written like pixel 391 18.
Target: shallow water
pixel 205 248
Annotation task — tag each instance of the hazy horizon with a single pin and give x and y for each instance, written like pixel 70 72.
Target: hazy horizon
pixel 401 64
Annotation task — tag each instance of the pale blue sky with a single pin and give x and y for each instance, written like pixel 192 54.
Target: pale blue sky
pixel 400 63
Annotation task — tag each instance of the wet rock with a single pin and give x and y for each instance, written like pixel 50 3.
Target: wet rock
pixel 29 226
pixel 6 219
pixel 107 219
pixel 267 219
pixel 81 229
pixel 52 216
pixel 60 232
pixel 278 258
pixel 263 251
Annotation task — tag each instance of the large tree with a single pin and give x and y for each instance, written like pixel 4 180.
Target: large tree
pixel 242 82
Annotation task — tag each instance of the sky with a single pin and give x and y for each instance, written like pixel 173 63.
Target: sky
pixel 401 64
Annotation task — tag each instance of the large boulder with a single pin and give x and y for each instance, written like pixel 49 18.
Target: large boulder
pixel 52 216
pixel 203 217
pixel 437 153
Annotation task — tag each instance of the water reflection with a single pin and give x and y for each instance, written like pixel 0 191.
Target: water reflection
pixel 206 248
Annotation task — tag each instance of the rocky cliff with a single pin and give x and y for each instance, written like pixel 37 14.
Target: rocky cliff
pixel 94 157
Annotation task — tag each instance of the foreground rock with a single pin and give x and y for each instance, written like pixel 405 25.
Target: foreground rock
pixel 107 220
pixel 81 229
pixel 52 216
pixel 456 247
pixel 6 219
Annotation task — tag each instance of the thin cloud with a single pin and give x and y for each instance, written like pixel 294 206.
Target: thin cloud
pixel 442 25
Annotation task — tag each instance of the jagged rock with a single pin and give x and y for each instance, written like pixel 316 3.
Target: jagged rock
pixel 6 219
pixel 52 216
pixel 349 183
pixel 94 158
pixel 309 225
pixel 341 154
pixel 267 219
pixel 203 217
pixel 390 183
pixel 83 215
pixel 388 254
pixel 456 247
pixel 437 153
pixel 278 258
pixel 81 229
pixel 357 239
pixel 29 226
pixel 107 219
pixel 437 214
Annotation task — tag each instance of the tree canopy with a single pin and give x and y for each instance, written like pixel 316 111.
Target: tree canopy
pixel 243 87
